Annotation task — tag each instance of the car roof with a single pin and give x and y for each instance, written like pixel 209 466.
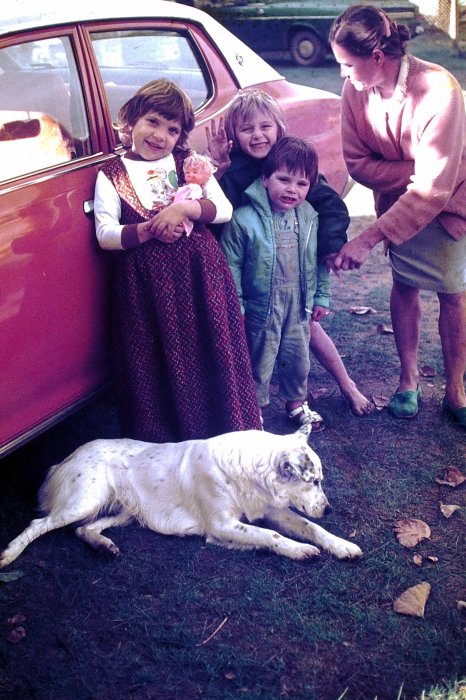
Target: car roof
pixel 23 15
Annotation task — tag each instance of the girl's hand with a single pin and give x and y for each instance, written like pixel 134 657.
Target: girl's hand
pixel 329 261
pixel 319 313
pixel 218 145
pixel 166 225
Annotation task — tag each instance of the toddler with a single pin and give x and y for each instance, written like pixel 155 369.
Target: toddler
pixel 271 247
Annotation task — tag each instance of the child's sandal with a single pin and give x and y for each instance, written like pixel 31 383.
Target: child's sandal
pixel 304 415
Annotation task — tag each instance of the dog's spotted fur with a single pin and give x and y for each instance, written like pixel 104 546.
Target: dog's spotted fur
pixel 216 488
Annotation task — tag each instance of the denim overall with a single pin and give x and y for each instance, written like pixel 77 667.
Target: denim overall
pixel 283 341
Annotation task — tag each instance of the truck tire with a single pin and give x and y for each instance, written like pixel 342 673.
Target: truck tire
pixel 307 49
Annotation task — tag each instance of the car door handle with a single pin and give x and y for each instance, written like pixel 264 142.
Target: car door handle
pixel 88 206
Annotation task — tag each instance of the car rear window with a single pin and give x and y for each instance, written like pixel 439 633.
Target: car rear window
pixel 129 59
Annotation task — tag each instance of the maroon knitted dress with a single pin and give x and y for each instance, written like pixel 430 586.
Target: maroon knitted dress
pixel 182 366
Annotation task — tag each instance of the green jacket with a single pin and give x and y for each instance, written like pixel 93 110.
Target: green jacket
pixel 333 213
pixel 249 245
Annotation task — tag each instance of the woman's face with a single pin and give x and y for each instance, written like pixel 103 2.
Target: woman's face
pixel 364 72
pixel 257 134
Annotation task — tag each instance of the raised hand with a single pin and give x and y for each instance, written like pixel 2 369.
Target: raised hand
pixel 218 145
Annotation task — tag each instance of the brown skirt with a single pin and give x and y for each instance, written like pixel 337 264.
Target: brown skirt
pixel 181 361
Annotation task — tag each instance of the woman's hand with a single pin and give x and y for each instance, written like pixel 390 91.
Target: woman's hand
pixel 355 253
pixel 218 146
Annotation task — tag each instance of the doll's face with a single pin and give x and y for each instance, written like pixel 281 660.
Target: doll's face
pixel 197 173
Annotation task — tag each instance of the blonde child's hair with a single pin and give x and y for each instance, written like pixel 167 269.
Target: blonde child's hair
pixel 162 96
pixel 245 105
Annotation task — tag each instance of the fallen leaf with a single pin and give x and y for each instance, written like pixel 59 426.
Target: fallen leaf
pixel 448 510
pixel 380 402
pixel 230 675
pixel 361 310
pixel 16 635
pixel 382 329
pixel 17 619
pixel 417 559
pixel 352 534
pixel 410 531
pixel 427 371
pixel 461 604
pixel 433 559
pixel 413 600
pixel 451 477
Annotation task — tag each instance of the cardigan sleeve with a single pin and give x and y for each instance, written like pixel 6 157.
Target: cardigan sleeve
pixel 439 122
pixel 364 164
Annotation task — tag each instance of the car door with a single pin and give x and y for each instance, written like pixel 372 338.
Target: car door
pixel 53 278
pixel 60 92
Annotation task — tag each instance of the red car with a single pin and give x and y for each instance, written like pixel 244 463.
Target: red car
pixel 64 72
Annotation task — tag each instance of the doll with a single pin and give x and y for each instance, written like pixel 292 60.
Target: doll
pixel 197 172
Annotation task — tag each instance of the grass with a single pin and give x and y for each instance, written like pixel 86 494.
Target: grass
pixel 178 619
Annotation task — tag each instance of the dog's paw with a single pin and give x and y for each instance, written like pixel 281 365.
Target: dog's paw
pixel 5 560
pixel 304 551
pixel 346 550
pixel 109 547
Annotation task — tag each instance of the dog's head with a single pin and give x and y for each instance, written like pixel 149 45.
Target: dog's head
pixel 299 472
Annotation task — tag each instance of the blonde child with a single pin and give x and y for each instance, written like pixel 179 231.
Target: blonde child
pixel 271 247
pixel 181 359
pixel 238 147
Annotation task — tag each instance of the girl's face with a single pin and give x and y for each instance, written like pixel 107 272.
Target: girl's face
pixel 257 135
pixel 364 72
pixel 286 190
pixel 154 136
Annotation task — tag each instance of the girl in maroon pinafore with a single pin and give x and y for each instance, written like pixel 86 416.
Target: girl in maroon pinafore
pixel 182 367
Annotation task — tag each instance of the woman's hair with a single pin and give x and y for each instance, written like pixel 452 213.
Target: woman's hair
pixel 295 155
pixel 361 29
pixel 245 105
pixel 165 98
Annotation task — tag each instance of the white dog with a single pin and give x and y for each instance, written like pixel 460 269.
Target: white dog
pixel 216 488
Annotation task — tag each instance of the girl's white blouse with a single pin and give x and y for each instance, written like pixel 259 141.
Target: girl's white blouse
pixel 107 204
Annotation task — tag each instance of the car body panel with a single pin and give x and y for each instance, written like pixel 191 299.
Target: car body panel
pixel 55 281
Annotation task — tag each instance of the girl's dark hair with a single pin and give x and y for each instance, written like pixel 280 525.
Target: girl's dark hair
pixel 361 29
pixel 160 96
pixel 294 154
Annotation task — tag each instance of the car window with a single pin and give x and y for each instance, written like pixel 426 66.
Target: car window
pixel 129 59
pixel 42 116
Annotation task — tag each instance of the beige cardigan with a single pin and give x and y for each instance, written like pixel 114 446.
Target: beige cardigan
pixel 410 150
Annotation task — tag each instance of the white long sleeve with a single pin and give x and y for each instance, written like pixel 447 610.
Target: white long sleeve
pixel 107 205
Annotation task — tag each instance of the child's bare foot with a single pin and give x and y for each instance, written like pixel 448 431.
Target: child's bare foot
pixel 359 404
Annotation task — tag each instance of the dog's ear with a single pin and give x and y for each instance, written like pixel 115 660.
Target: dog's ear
pixel 299 467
